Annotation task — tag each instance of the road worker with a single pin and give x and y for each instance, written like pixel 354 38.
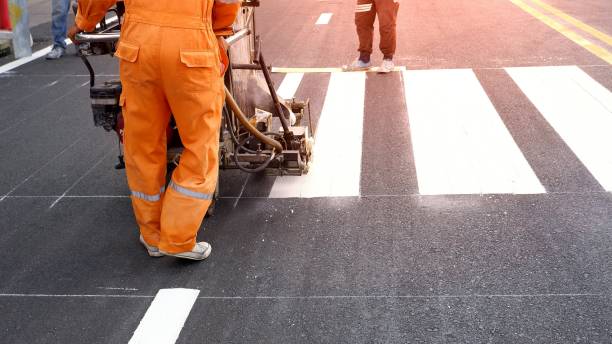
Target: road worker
pixel 365 14
pixel 170 63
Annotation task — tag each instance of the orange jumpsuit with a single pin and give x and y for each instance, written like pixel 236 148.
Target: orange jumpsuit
pixel 170 62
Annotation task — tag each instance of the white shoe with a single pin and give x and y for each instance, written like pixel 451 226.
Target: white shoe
pixel 357 66
pixel 200 251
pixel 387 66
pixel 151 250
pixel 55 53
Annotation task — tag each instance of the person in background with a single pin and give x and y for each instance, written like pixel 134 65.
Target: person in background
pixel 59 16
pixel 365 14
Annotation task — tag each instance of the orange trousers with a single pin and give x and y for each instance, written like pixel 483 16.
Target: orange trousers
pixel 169 63
pixel 365 15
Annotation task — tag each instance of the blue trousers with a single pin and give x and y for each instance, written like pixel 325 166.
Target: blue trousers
pixel 59 15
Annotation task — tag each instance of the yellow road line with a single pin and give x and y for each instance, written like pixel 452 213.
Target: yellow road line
pixel 324 70
pixel 577 23
pixel 595 49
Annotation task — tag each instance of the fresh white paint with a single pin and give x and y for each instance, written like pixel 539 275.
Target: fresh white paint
pixel 324 19
pixel 166 317
pixel 336 169
pixel 40 53
pixel 578 108
pixel 461 145
pixel 290 84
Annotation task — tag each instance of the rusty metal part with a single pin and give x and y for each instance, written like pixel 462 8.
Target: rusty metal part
pixel 246 124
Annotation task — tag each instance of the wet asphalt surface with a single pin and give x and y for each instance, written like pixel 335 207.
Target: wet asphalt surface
pixel 390 266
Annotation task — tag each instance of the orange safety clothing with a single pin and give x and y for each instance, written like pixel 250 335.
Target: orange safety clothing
pixel 169 63
pixel 365 14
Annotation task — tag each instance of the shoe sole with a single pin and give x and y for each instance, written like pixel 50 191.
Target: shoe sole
pixel 189 255
pixel 155 254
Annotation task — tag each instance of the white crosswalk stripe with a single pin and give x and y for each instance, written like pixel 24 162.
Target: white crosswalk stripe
pixel 164 320
pixel 461 146
pixel 289 86
pixel 333 174
pixel 460 143
pixel 578 108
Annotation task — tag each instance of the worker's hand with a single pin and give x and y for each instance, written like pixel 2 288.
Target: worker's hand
pixel 72 32
pixel 222 43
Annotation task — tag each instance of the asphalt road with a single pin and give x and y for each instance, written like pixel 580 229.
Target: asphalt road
pixel 469 200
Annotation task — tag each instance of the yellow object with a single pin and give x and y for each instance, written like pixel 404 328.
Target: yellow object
pixel 577 23
pixel 595 49
pixel 169 63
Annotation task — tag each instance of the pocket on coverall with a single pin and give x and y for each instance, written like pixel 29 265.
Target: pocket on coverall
pixel 200 69
pixel 128 55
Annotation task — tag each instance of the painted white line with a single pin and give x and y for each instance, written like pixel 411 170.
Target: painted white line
pixel 40 169
pixel 461 145
pixel 336 167
pixel 40 53
pixel 578 108
pixel 290 84
pixel 80 178
pixel 118 288
pixel 315 70
pixel 20 62
pixel 325 297
pixel 166 317
pixel 244 185
pixel 324 19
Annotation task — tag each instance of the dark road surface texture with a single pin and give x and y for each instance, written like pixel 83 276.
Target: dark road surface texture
pixel 384 264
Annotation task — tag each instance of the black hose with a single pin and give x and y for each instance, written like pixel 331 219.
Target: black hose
pixel 92 75
pixel 240 146
pixel 259 168
pixel 249 127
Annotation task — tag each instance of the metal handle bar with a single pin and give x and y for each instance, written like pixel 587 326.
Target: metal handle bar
pixel 111 37
pixel 105 37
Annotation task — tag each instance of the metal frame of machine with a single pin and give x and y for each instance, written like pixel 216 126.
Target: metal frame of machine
pixel 248 143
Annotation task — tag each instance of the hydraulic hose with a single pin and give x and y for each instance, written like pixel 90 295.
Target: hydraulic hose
pixel 245 122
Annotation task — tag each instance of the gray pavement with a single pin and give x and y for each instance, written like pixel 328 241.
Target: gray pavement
pixel 388 265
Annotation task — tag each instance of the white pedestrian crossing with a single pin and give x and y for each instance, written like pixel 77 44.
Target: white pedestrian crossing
pixel 290 84
pixel 165 318
pixel 578 108
pixel 461 145
pixel 336 169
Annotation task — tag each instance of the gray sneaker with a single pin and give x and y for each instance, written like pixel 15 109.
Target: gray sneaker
pixel 151 250
pixel 357 65
pixel 200 251
pixel 55 53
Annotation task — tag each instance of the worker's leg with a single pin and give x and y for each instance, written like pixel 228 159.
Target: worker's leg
pixel 146 114
pixel 365 14
pixel 387 17
pixel 59 14
pixel 194 89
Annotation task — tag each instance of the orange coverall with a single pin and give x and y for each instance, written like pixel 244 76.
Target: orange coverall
pixel 365 15
pixel 170 62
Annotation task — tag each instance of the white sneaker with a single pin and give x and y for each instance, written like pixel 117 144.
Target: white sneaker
pixel 357 65
pixel 151 250
pixel 200 251
pixel 55 53
pixel 387 66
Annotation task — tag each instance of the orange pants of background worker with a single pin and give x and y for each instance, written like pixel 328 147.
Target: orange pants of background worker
pixel 170 63
pixel 365 14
